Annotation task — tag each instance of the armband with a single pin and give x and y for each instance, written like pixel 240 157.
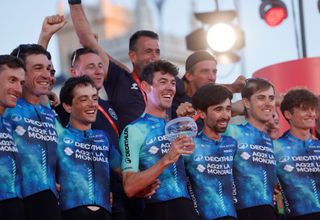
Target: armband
pixel 74 2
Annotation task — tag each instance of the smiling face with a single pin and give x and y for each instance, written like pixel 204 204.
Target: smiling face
pixel 302 117
pixel 38 79
pixel 11 81
pixel 217 117
pixel 160 94
pixel 83 110
pixel 260 107
pixel 90 64
pixel 147 50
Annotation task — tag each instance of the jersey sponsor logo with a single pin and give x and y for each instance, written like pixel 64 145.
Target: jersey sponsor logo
pixel 16 117
pixel 151 141
pixel 126 146
pixel 288 168
pixel 112 113
pixel 134 86
pixel 284 159
pixel 226 146
pixel 67 140
pixel 198 158
pixel 243 146
pixel 20 130
pixel 153 150
pixel 314 146
pixel 201 168
pixel 68 151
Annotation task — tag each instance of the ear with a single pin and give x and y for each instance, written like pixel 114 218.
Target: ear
pixel 202 114
pixel 66 107
pixel 245 103
pixel 188 76
pixel 73 72
pixel 287 115
pixel 132 56
pixel 145 87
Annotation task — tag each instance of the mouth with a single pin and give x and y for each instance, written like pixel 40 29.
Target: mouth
pixel 167 97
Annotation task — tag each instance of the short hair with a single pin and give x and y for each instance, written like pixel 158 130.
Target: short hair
pixel 24 50
pixel 298 97
pixel 254 85
pixel 75 56
pixel 162 66
pixel 142 33
pixel 12 62
pixel 66 92
pixel 197 57
pixel 209 95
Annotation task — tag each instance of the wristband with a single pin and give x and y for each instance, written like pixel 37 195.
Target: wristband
pixel 74 2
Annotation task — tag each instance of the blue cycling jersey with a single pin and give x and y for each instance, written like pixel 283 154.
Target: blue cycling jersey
pixel 84 160
pixel 254 166
pixel 209 169
pixel 142 144
pixel 10 172
pixel 36 138
pixel 298 170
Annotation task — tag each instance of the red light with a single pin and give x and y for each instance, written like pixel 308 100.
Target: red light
pixel 274 16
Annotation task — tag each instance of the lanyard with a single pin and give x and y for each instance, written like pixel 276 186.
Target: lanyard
pixel 114 126
pixel 137 80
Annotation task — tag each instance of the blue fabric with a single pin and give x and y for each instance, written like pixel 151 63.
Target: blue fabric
pixel 84 160
pixel 298 170
pixel 209 169
pixel 124 95
pixel 142 144
pixel 10 170
pixel 36 139
pixel 254 166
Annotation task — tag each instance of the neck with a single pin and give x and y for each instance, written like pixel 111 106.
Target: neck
pixel 155 111
pixel 257 124
pixel 2 109
pixel 30 97
pixel 189 89
pixel 80 125
pixel 211 134
pixel 302 134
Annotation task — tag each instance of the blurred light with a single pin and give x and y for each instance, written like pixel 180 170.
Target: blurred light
pixel 221 37
pixel 273 12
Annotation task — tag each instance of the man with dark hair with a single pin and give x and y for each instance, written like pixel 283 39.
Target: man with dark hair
pixel 12 74
pixel 84 155
pixel 35 136
pixel 254 163
pixel 298 155
pixel 209 168
pixel 148 155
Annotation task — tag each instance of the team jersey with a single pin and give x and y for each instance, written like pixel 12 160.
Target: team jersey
pixel 84 160
pixel 36 138
pixel 254 166
pixel 298 170
pixel 142 144
pixel 209 169
pixel 10 172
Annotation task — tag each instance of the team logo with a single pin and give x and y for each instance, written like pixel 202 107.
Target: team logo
pixel 68 151
pixel 151 141
pixel 153 150
pixel 243 146
pixel 20 130
pixel 67 140
pixel 16 117
pixel 112 113
pixel 201 168
pixel 284 159
pixel 198 158
pixel 288 168
pixel 245 156
pixel 134 86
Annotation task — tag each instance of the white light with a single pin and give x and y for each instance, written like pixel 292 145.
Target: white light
pixel 221 37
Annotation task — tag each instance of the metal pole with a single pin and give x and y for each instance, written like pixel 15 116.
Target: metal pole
pixel 302 30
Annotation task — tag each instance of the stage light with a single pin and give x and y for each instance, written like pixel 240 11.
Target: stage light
pixel 273 12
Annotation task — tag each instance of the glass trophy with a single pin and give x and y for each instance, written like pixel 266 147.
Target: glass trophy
pixel 182 126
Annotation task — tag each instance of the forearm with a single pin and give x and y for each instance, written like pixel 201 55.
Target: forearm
pixel 44 39
pixel 237 108
pixel 135 182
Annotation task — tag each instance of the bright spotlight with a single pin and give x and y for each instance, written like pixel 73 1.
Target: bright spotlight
pixel 221 37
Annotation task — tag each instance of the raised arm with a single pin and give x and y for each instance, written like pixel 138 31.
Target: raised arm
pixel 50 25
pixel 86 36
